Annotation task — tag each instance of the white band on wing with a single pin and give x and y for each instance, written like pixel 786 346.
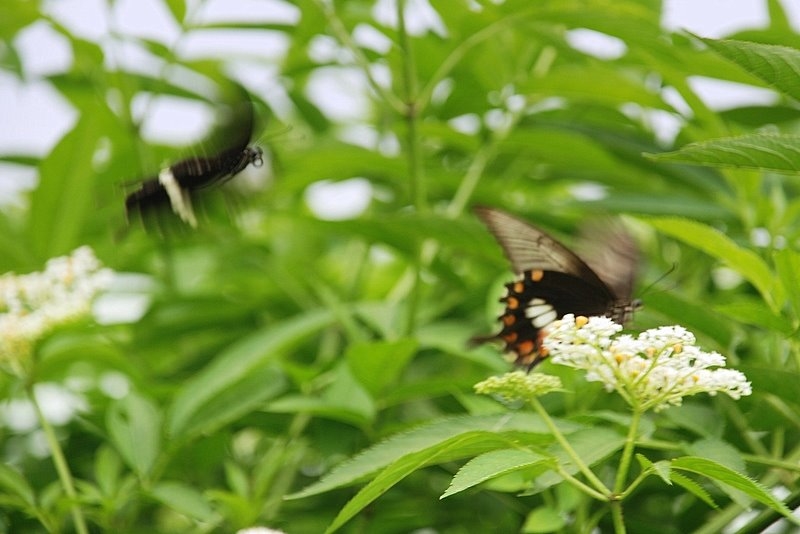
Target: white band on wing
pixel 178 197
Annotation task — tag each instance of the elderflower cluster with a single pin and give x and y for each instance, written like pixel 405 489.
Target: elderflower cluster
pixel 518 385
pixel 33 304
pixel 655 369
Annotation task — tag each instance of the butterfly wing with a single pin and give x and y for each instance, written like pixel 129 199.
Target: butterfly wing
pixel 553 281
pixel 174 184
pixel 612 254
pixel 529 248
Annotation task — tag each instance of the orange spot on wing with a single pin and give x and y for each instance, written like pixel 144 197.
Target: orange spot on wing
pixel 525 348
pixel 537 275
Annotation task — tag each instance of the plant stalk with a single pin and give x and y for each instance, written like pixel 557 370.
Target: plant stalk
pixel 61 466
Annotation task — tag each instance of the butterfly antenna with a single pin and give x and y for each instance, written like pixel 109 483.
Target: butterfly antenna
pixel 651 285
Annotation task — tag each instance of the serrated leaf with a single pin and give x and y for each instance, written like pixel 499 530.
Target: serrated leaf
pixel 494 464
pixel 456 447
pixel 661 468
pixel 777 153
pixel 427 436
pixel 718 245
pixel 236 363
pixel 719 473
pixel 719 451
pixel 779 66
pixel 692 487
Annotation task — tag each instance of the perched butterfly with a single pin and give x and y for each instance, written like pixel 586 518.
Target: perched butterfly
pixel 175 184
pixel 553 281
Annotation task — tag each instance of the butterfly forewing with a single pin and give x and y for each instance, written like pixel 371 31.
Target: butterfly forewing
pixel 529 248
pixel 552 282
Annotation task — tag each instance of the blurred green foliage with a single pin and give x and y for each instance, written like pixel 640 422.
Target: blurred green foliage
pixel 276 344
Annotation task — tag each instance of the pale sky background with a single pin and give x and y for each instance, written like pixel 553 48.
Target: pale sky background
pixel 35 117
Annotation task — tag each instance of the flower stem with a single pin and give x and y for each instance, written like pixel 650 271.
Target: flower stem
pixel 627 452
pixel 617 517
pixel 582 467
pixel 61 465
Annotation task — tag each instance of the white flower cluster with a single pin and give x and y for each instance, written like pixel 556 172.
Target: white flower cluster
pixel 655 369
pixel 33 304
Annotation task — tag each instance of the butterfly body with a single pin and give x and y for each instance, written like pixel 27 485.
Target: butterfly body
pixel 552 282
pixel 192 174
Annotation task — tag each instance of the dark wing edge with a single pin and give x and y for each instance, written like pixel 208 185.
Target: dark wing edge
pixel 529 248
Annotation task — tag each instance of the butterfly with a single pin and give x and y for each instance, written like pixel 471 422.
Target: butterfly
pixel 553 281
pixel 175 185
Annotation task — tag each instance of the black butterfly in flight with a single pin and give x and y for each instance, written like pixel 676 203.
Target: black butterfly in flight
pixel 175 185
pixel 553 281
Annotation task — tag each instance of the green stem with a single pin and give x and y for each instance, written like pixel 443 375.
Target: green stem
pixel 417 191
pixel 61 465
pixel 582 467
pixel 581 486
pixel 616 516
pixel 627 452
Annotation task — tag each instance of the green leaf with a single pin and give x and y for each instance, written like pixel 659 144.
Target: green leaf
pixel 456 447
pixel 185 499
pixel 699 418
pixel 426 437
pixel 345 400
pixel 719 473
pixel 494 464
pixel 543 519
pixel 718 245
pixel 14 483
pixel 233 365
pixel 719 451
pixel 750 310
pixel 787 264
pixel 178 9
pixel 62 202
pixel 779 66
pixel 378 364
pixel 778 381
pixel 107 469
pixel 778 153
pixel 238 399
pixel 692 487
pixel 134 425
pixel 661 468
